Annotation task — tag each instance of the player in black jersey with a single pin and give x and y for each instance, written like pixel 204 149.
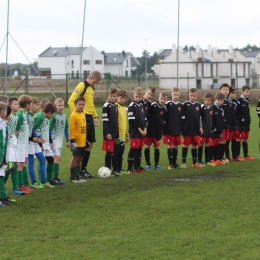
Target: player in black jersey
pixel 146 100
pixel 207 121
pixel 225 138
pixel 155 124
pixel 191 128
pixel 217 129
pixel 110 127
pixel 137 131
pixel 244 120
pixel 172 128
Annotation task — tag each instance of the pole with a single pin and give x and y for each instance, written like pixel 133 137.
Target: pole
pixel 178 33
pixel 80 66
pixel 6 60
pixel 237 84
pixel 145 64
pixel 188 82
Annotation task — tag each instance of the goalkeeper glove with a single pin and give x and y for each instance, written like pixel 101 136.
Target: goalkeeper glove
pixel 126 139
pixel 73 146
pixel 119 140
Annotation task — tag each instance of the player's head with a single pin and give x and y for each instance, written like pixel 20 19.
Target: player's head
pixel 207 98
pixel 138 93
pixel 94 77
pixel 122 96
pixel 219 99
pixel 43 102
pixel 175 94
pixel 13 103
pixel 193 95
pixel 4 99
pixel 224 89
pixel 8 113
pixel 35 106
pixel 79 104
pixel 48 110
pixel 3 109
pixel 59 104
pixel 163 97
pixel 245 91
pixel 112 95
pixel 24 102
pixel 232 92
pixel 149 93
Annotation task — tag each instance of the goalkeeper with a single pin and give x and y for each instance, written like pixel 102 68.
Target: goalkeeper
pixel 78 129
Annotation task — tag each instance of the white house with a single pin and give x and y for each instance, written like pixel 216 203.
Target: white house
pixel 254 57
pixel 202 68
pixel 62 60
pixel 122 64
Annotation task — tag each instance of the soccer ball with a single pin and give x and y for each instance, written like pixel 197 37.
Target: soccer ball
pixel 104 172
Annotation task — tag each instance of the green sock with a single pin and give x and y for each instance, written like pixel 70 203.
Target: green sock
pixel 20 178
pixel 56 168
pixel 49 172
pixel 14 176
pixel 77 171
pixel 25 176
pixel 2 188
pixel 72 173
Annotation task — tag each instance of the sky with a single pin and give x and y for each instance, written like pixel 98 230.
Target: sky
pixel 117 25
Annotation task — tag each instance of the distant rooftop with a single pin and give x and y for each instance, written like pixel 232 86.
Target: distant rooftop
pixel 250 53
pixel 61 51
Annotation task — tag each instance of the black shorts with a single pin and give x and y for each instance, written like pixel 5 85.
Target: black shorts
pixel 80 152
pixel 91 138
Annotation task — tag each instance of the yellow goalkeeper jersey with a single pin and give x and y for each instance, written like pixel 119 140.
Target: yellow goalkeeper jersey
pixel 121 115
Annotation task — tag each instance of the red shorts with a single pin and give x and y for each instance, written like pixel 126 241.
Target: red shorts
pixel 205 139
pixel 225 135
pixel 150 141
pixel 136 143
pixel 236 134
pixel 243 135
pixel 214 141
pixel 172 140
pixel 193 139
pixel 108 145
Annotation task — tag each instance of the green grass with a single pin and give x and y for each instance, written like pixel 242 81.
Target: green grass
pixel 209 213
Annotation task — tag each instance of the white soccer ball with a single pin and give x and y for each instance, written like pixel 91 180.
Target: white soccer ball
pixel 104 172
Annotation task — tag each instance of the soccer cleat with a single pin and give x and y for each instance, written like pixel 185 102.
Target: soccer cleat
pixel 157 167
pixel 10 199
pixel 5 201
pixel 235 159
pixel 184 166
pixel 23 189
pixel 78 181
pixel 148 167
pixel 211 164
pixel 170 167
pixel 197 165
pixel 115 173
pixel 201 163
pixel 249 158
pixel 46 185
pixel 18 192
pixel 123 172
pixel 218 162
pixel 85 174
pixel 223 160
pixel 35 186
pixel 132 171
pixel 140 170
pixel 54 182
pixel 228 159
pixel 2 204
pixel 60 182
pixel 240 159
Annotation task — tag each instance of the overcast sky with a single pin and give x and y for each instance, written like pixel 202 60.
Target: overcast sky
pixel 116 25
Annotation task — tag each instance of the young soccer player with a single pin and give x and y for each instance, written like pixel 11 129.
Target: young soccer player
pixel 11 152
pixel 191 128
pixel 3 144
pixel 146 100
pixel 41 127
pixel 110 127
pixel 117 158
pixel 22 129
pixel 156 119
pixel 77 136
pixel 172 128
pixel 225 139
pixel 217 128
pixel 137 131
pixel 86 89
pixel 207 120
pixel 244 120
pixel 58 128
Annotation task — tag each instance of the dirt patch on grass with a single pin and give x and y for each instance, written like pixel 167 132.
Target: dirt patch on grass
pixel 217 176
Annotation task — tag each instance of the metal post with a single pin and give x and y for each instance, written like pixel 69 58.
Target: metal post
pixel 67 87
pixel 237 84
pixel 7 32
pixel 26 82
pixel 188 82
pixel 145 64
pixel 177 76
pixel 80 67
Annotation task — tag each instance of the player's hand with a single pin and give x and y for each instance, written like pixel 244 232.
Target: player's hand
pixel 42 148
pixel 201 131
pixel 109 137
pixel 119 140
pixel 96 121
pixel 68 145
pixel 51 145
pixel 41 140
pixel 35 139
pixel 73 147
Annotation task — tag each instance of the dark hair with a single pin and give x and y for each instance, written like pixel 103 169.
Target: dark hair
pixel 225 85
pixel 245 88
pixel 112 91
pixel 49 107
pixel 8 111
pixel 11 100
pixel 208 95
pixel 79 99
pixel 24 100
pixel 193 90
pixel 122 93
pixel 220 96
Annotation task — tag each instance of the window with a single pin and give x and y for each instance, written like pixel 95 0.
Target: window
pixel 215 81
pixel 86 62
pixel 247 81
pixel 86 73
pixel 98 61
pixel 72 64
pixel 198 83
pixel 126 63
pixel 233 82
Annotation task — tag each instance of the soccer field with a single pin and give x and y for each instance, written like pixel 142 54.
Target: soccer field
pixel 208 213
